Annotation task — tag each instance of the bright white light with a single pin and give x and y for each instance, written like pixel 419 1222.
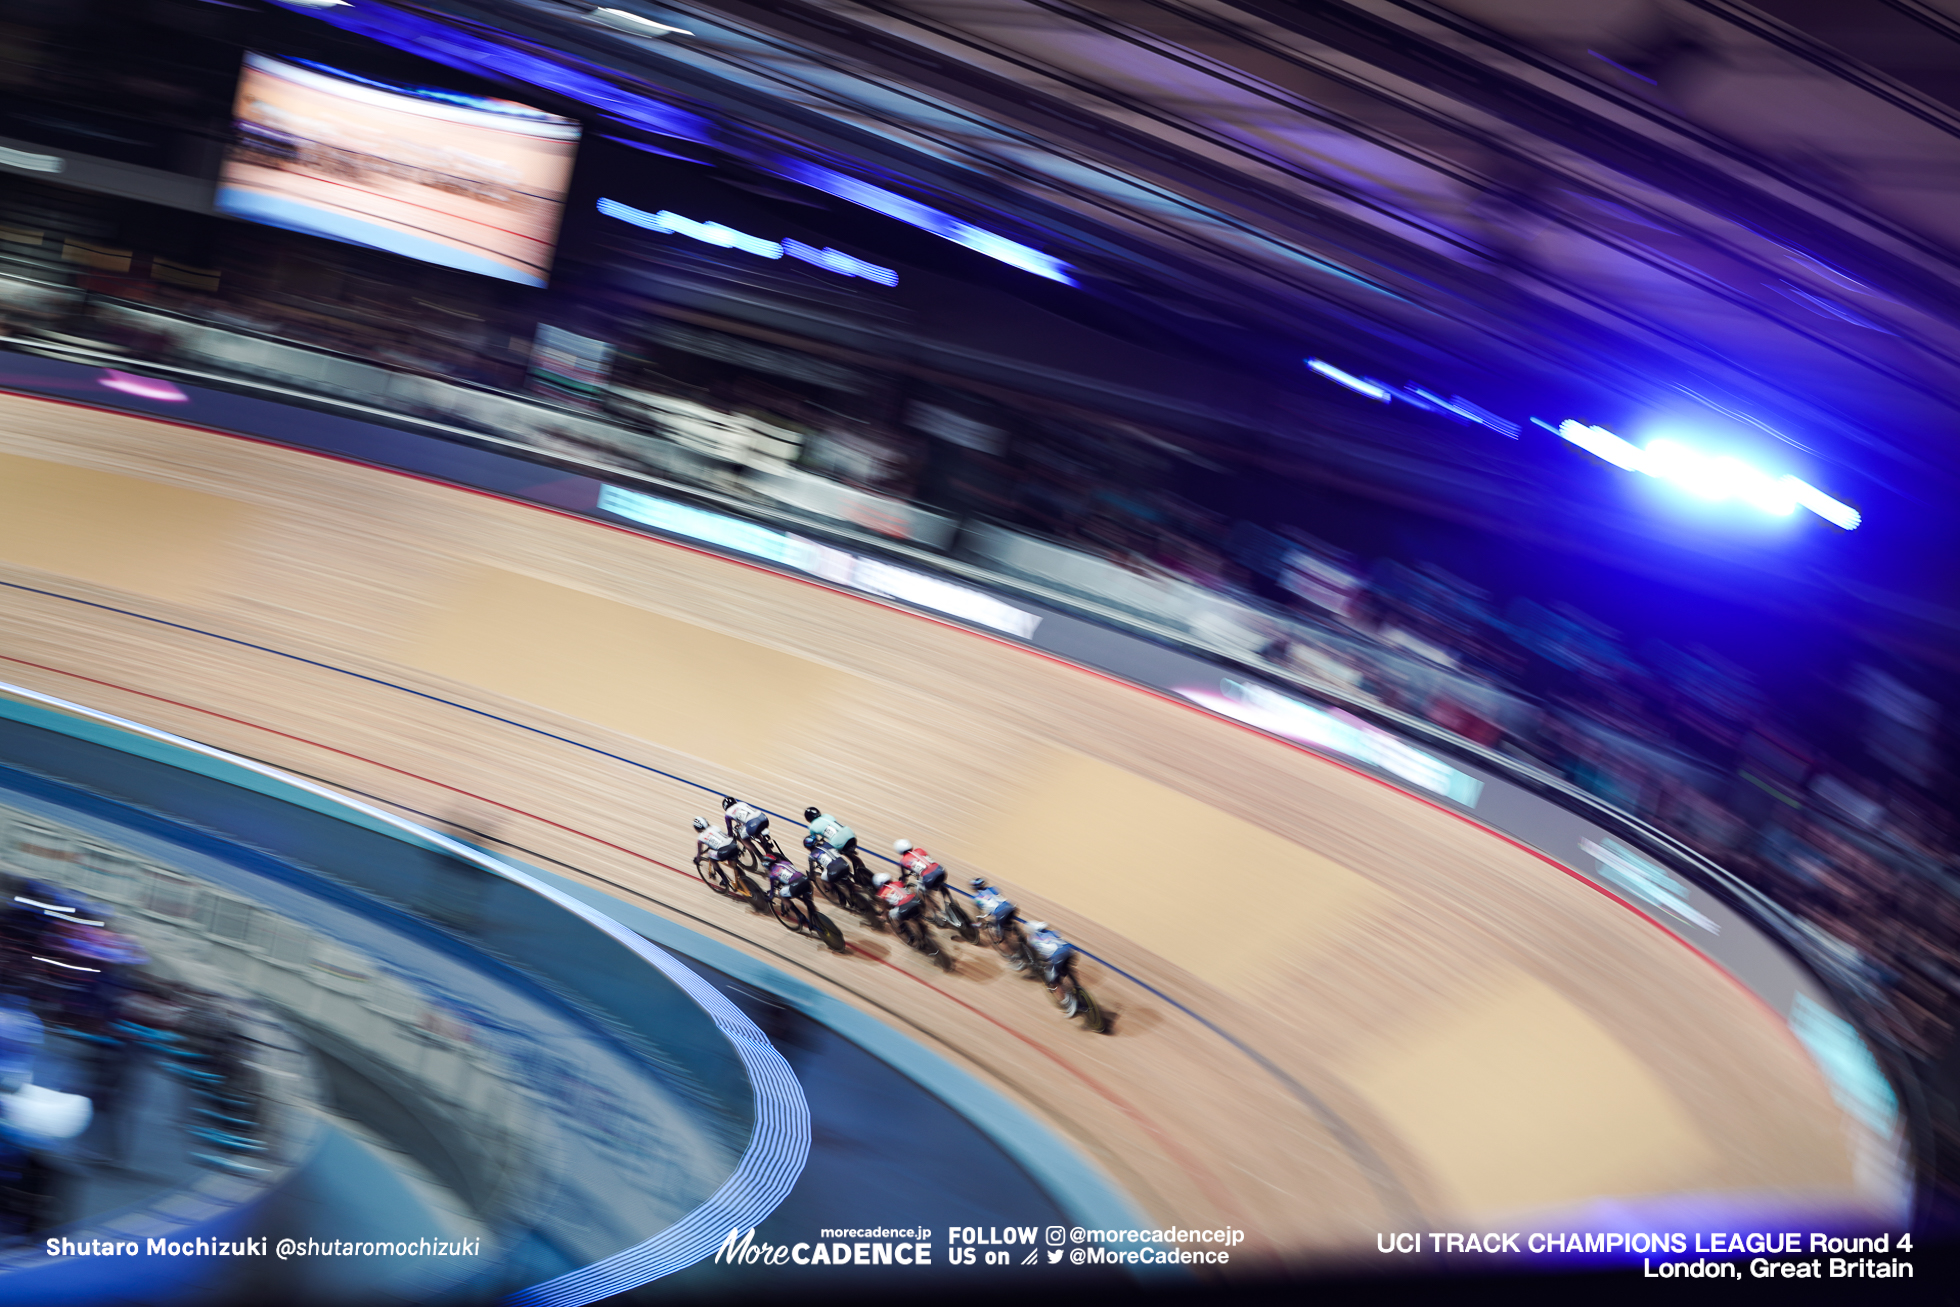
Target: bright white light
pixel 1336 732
pixel 1714 477
pixel 867 574
pixel 710 233
pixel 1701 476
pixel 943 597
pixel 634 23
pixel 1824 506
pixel 36 903
pixel 713 233
pixel 22 159
pixel 1360 385
pixel 1600 441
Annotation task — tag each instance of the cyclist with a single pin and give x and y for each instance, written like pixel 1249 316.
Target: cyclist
pixel 750 824
pixel 918 864
pixel 1055 954
pixel 919 867
pixel 991 903
pixel 897 896
pixel 743 820
pixel 838 836
pixel 715 844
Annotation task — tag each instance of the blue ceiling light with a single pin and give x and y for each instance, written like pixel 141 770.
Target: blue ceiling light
pixel 839 262
pixel 1459 407
pixel 925 218
pixel 727 238
pixel 1359 385
pixel 1456 406
pixel 708 233
pixel 1716 478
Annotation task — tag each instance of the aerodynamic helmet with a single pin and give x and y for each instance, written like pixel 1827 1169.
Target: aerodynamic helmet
pixel 901 846
pixel 811 814
pixel 727 802
pixel 978 882
pixel 1036 927
pixel 882 879
pixel 700 824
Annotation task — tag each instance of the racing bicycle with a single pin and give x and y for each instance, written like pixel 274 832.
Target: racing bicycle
pixel 907 911
pixel 726 875
pixel 944 906
pixel 795 906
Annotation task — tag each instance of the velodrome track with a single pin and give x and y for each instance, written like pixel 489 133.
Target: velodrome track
pixel 1435 1028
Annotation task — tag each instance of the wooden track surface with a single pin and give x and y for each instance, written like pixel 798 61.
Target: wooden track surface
pixel 1449 1030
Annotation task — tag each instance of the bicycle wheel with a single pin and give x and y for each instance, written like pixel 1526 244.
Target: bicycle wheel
pixel 758 898
pixel 1091 1012
pixel 1013 945
pixel 827 931
pixel 712 875
pixel 958 922
pixel 790 913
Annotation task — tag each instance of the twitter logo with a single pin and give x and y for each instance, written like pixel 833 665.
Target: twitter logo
pixel 1054 1255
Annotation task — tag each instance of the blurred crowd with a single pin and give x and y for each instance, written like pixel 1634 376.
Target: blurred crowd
pixel 1831 802
pixel 87 1024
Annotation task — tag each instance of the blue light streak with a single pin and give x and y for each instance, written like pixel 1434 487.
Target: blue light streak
pixel 1360 385
pixel 727 238
pixel 839 262
pixel 1716 478
pixel 926 218
pixel 1464 409
pixel 708 233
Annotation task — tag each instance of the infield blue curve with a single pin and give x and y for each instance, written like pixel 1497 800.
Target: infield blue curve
pixel 780 1145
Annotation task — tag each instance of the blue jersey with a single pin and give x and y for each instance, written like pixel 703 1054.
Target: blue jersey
pixel 1049 946
pixel 992 905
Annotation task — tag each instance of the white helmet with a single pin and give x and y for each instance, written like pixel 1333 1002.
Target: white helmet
pixel 882 879
pixel 901 846
pixel 1036 927
pixel 700 824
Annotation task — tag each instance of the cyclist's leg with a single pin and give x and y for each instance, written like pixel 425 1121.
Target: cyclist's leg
pixel 850 850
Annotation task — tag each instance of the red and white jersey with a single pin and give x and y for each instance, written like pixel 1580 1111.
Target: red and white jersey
pixel 896 894
pixel 916 861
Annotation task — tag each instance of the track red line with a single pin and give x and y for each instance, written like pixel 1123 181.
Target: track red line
pixel 1189 1164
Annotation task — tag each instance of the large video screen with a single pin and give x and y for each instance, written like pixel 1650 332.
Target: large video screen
pixel 459 180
